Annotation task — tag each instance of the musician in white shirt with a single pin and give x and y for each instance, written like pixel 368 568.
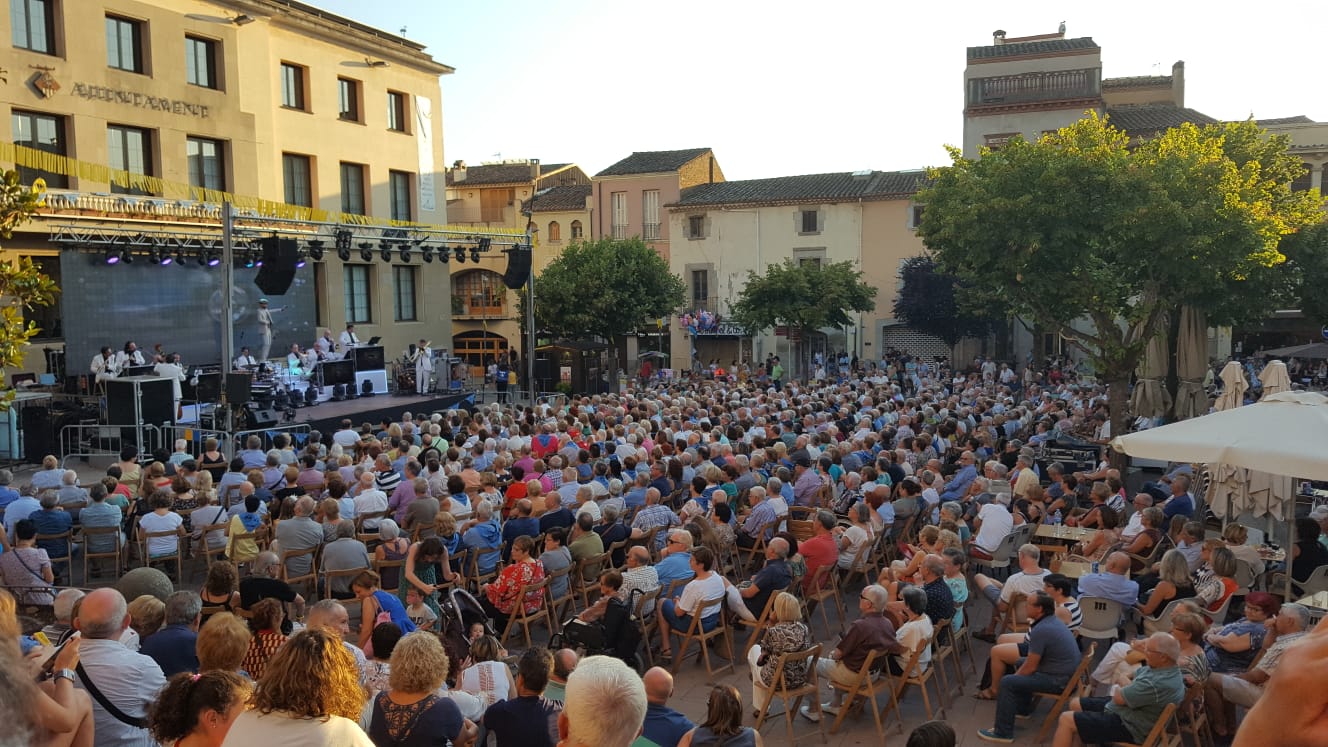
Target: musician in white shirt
pixel 423 367
pixel 348 338
pixel 103 364
pixel 245 361
pixel 326 346
pixel 265 328
pixel 300 362
pixel 130 356
pixel 171 369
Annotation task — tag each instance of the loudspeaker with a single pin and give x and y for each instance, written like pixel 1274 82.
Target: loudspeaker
pixel 264 418
pixel 237 388
pixel 543 369
pixel 140 400
pixel 518 268
pixel 37 441
pixel 278 270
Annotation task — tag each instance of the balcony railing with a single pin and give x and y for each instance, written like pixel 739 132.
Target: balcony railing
pixel 619 231
pixel 478 306
pixel 1035 87
pixel 650 231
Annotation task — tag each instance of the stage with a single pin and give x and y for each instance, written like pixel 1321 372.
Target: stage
pixel 327 416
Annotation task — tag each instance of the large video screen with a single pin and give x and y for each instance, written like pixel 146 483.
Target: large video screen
pixel 178 305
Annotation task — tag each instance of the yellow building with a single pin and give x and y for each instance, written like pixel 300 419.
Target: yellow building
pixel 486 319
pixel 270 100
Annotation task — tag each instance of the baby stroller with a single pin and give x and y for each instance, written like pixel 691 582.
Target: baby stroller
pixel 619 633
pixel 460 610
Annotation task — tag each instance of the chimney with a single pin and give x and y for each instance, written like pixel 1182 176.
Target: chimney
pixel 1178 83
pixel 998 37
pixel 535 169
pixel 458 171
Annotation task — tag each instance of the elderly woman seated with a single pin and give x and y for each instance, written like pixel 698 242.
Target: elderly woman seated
pixel 1226 691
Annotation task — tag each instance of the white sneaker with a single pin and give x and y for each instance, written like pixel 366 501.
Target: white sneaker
pixel 830 708
pixel 809 714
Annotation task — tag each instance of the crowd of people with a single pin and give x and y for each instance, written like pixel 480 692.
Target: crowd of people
pixel 727 500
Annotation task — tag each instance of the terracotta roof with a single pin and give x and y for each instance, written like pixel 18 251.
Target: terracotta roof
pixel 1298 119
pixel 1137 81
pixel 494 173
pixel 569 198
pixel 653 162
pixel 809 187
pixel 549 168
pixel 1020 49
pixel 1147 119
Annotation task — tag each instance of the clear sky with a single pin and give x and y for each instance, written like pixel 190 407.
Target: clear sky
pixel 781 88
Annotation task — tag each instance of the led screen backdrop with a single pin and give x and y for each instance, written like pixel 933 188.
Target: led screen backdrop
pixel 178 306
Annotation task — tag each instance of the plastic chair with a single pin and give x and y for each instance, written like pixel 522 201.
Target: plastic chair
pixel 792 697
pixel 1101 618
pixel 1000 558
pixel 862 694
pixel 1161 623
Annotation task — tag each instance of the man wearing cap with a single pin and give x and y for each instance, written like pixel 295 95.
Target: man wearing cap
pixel 423 367
pixel 264 328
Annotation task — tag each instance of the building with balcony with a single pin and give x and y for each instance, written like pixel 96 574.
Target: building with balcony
pixel 486 320
pixel 153 111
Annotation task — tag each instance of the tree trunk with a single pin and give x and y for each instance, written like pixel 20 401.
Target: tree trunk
pixel 1118 387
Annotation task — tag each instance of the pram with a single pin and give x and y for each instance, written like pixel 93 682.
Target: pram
pixel 460 610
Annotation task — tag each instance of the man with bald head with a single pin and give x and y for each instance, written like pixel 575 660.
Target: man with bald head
pixel 564 663
pixel 331 615
pixel 663 725
pixel 1113 582
pixel 112 674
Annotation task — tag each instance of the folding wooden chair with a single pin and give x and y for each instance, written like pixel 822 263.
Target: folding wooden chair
pixel 370 539
pixel 1078 684
pixel 861 693
pixel 695 634
pixel 308 579
pixel 327 577
pixel 793 697
pixel 568 597
pixel 859 567
pixel 145 539
pixel 962 638
pixel 649 620
pixel 1015 617
pixel 758 625
pixel 587 574
pixel 89 533
pixel 379 565
pixel 205 553
pixel 756 553
pixel 1192 717
pixel 825 588
pixel 940 653
pixel 65 561
pixel 920 679
pixel 520 617
pixel 1159 736
pixel 474 578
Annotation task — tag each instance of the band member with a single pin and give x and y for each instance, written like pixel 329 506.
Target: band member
pixel 326 346
pixel 348 338
pixel 158 355
pixel 299 362
pixel 130 356
pixel 265 328
pixel 103 364
pixel 423 367
pixel 245 361
pixel 170 368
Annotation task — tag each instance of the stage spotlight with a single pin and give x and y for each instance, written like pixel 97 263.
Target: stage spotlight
pixel 179 257
pixel 385 250
pixel 112 256
pixel 316 250
pixel 366 251
pixel 475 255
pixel 338 392
pixel 310 396
pixel 299 260
pixel 405 252
pixel 343 253
pixel 484 244
pixel 249 259
pixel 444 253
pixel 426 254
pixel 213 259
pixel 460 254
pixel 126 256
pixel 367 389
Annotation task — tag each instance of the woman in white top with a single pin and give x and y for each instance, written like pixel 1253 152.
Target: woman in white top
pixel 208 515
pixel 488 678
pixel 676 614
pixel 162 519
pixel 916 629
pixel 854 538
pixel 309 696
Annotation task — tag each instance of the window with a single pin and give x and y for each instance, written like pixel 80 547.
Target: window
pixel 348 97
pixel 33 25
pixel 576 229
pixel 356 282
pixel 207 164
pixel 398 185
pixel 403 277
pixel 292 86
pixel 124 44
pixel 696 226
pixel 396 111
pixel 200 62
pixel 555 232
pixel 352 188
pixel 650 214
pixel 479 293
pixel 915 216
pixel 619 226
pixel 129 149
pixel 810 262
pixel 809 221
pixel 700 289
pixel 296 174
pixel 41 132
pixel 1303 182
pixel 814 257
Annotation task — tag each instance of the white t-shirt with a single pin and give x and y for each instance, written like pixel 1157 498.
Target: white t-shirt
pixel 910 634
pixel 592 508
pixel 996 523
pixel 1023 583
pixel 278 730
pixel 699 590
pixel 370 501
pixel 155 522
pixel 857 537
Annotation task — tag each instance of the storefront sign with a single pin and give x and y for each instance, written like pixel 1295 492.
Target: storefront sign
pixel 140 100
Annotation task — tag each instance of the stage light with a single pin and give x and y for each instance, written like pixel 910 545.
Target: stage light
pixel 310 396
pixel 475 255
pixel 367 388
pixel 426 254
pixel 366 251
pixel 316 250
pixel 444 253
pixel 212 259
pixel 249 259
pixel 460 254
pixel 484 244
pixel 126 256
pixel 405 252
pixel 179 257
pixel 299 260
pixel 112 256
pixel 343 253
pixel 385 250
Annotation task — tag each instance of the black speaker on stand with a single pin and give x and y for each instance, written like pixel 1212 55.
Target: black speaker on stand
pixel 518 267
pixel 278 270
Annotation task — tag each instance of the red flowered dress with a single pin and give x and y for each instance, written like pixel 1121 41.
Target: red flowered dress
pixel 502 593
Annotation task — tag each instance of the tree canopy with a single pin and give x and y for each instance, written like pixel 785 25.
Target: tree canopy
pixel 1085 225
pixel 930 301
pixel 22 286
pixel 605 288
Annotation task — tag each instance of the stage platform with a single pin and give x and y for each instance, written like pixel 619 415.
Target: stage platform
pixel 327 416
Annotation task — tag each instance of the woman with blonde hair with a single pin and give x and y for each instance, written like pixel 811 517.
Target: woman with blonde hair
pixel 55 713
pixel 310 694
pixel 411 711
pixel 787 634
pixel 1175 583
pixel 146 616
pixel 222 643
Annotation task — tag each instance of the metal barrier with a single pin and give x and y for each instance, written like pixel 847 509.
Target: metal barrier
pixel 298 431
pixel 195 436
pixel 89 441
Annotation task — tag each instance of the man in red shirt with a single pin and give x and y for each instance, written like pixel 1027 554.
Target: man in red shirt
pixel 821 549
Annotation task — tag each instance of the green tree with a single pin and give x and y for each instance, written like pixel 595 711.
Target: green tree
pixel 1089 236
pixel 804 298
pixel 1307 258
pixel 606 288
pixel 934 302
pixel 22 286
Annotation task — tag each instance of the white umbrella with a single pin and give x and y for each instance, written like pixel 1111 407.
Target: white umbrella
pixel 1228 490
pixel 1191 364
pixel 1150 399
pixel 1274 379
pixel 1233 387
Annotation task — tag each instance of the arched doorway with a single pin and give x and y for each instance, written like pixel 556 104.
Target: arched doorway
pixel 477 349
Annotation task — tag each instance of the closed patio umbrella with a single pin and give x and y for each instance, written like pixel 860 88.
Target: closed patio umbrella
pixel 1150 398
pixel 1191 364
pixel 1274 379
pixel 1233 387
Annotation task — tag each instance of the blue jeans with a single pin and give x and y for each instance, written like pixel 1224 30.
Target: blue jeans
pixel 682 621
pixel 1016 697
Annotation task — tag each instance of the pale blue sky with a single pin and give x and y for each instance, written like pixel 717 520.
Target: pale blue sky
pixel 781 88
